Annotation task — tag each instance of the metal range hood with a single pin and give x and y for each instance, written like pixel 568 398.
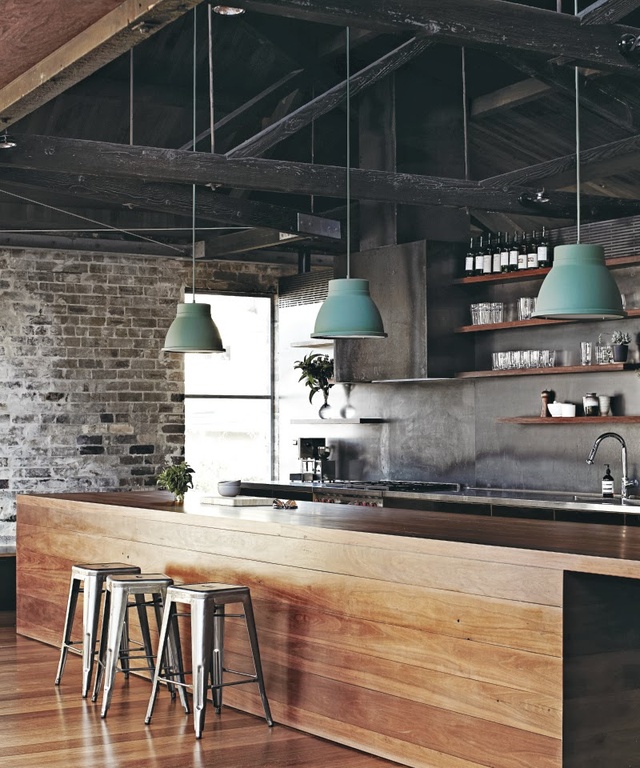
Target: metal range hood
pixel 399 283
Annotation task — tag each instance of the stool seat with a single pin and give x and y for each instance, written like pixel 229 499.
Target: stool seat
pixel 87 579
pixel 207 602
pixel 115 643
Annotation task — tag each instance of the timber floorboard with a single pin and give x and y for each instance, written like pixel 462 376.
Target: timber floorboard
pixel 53 727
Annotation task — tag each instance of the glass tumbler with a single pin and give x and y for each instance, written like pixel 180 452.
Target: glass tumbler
pixel 585 353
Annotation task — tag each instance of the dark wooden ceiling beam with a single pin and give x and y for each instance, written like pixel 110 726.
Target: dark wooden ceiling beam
pixel 249 240
pixel 176 199
pixel 607 11
pixel 597 97
pixel 252 108
pixel 102 42
pixel 476 23
pixel 325 102
pixel 138 164
pixel 598 162
pixel 507 98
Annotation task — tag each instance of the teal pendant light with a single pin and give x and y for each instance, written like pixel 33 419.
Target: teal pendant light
pixel 348 312
pixel 579 285
pixel 193 330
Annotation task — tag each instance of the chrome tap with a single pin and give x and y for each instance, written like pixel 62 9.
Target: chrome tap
pixel 626 483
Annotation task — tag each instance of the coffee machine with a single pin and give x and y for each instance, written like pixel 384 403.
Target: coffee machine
pixel 315 465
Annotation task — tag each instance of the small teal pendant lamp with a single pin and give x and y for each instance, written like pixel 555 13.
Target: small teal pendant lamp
pixel 193 330
pixel 579 285
pixel 348 312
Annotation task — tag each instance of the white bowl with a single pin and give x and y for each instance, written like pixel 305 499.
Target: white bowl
pixel 555 409
pixel 229 487
pixel 568 409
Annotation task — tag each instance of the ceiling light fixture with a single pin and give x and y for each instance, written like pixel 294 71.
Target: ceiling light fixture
pixel 228 10
pixel 193 330
pixel 348 312
pixel 7 142
pixel 579 285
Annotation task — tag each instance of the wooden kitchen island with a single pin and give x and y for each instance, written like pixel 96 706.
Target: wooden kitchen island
pixel 433 639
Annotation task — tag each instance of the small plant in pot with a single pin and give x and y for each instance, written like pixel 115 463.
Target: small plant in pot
pixel 176 478
pixel 317 374
pixel 620 346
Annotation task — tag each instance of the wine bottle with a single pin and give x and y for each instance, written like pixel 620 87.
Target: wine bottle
pixel 497 251
pixel 487 261
pixel 522 251
pixel 469 259
pixel 504 254
pixel 513 253
pixel 532 252
pixel 479 257
pixel 544 259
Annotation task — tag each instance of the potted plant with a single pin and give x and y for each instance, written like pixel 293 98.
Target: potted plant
pixel 620 345
pixel 317 374
pixel 176 478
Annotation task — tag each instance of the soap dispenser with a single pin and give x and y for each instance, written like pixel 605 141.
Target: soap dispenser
pixel 607 484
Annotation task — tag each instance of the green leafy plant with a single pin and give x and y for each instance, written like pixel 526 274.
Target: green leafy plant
pixel 176 478
pixel 618 337
pixel 316 372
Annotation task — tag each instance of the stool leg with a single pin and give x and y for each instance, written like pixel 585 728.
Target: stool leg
pixel 144 628
pixel 90 615
pixel 201 651
pixel 167 619
pixel 176 662
pixel 255 650
pixel 117 616
pixel 217 660
pixel 72 602
pixel 102 649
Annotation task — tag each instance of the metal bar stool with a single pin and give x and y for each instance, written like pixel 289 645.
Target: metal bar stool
pixel 115 643
pixel 207 603
pixel 87 579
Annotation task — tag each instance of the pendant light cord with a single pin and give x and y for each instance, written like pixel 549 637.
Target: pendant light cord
pixel 348 132
pixel 193 149
pixel 577 97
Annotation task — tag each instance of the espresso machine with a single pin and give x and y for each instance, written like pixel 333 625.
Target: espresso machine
pixel 315 465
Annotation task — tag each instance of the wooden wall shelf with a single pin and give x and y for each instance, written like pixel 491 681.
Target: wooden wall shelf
pixel 549 420
pixel 610 367
pixel 536 274
pixel 532 323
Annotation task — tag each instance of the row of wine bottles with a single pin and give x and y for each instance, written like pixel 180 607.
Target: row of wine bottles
pixel 491 253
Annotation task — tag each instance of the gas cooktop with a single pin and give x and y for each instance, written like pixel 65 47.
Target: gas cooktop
pixel 406 486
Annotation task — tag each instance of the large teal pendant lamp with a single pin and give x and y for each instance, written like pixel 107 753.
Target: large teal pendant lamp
pixel 193 330
pixel 348 312
pixel 579 285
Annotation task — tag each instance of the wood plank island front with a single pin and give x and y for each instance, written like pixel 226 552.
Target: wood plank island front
pixel 433 639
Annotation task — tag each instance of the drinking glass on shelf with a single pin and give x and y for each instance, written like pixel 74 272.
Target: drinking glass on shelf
pixel 495 361
pixel 497 311
pixel 585 353
pixel 552 358
pixel 526 305
pixel 604 354
pixel 535 358
pixel 475 314
pixel 526 358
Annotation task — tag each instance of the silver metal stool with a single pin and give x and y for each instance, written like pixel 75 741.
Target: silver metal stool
pixel 87 579
pixel 115 643
pixel 207 603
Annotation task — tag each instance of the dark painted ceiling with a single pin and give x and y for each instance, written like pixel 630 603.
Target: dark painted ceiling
pixel 518 104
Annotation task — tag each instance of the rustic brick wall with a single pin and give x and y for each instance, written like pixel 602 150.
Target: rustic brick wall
pixel 88 400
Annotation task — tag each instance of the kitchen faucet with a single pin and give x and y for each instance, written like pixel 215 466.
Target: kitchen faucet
pixel 626 483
